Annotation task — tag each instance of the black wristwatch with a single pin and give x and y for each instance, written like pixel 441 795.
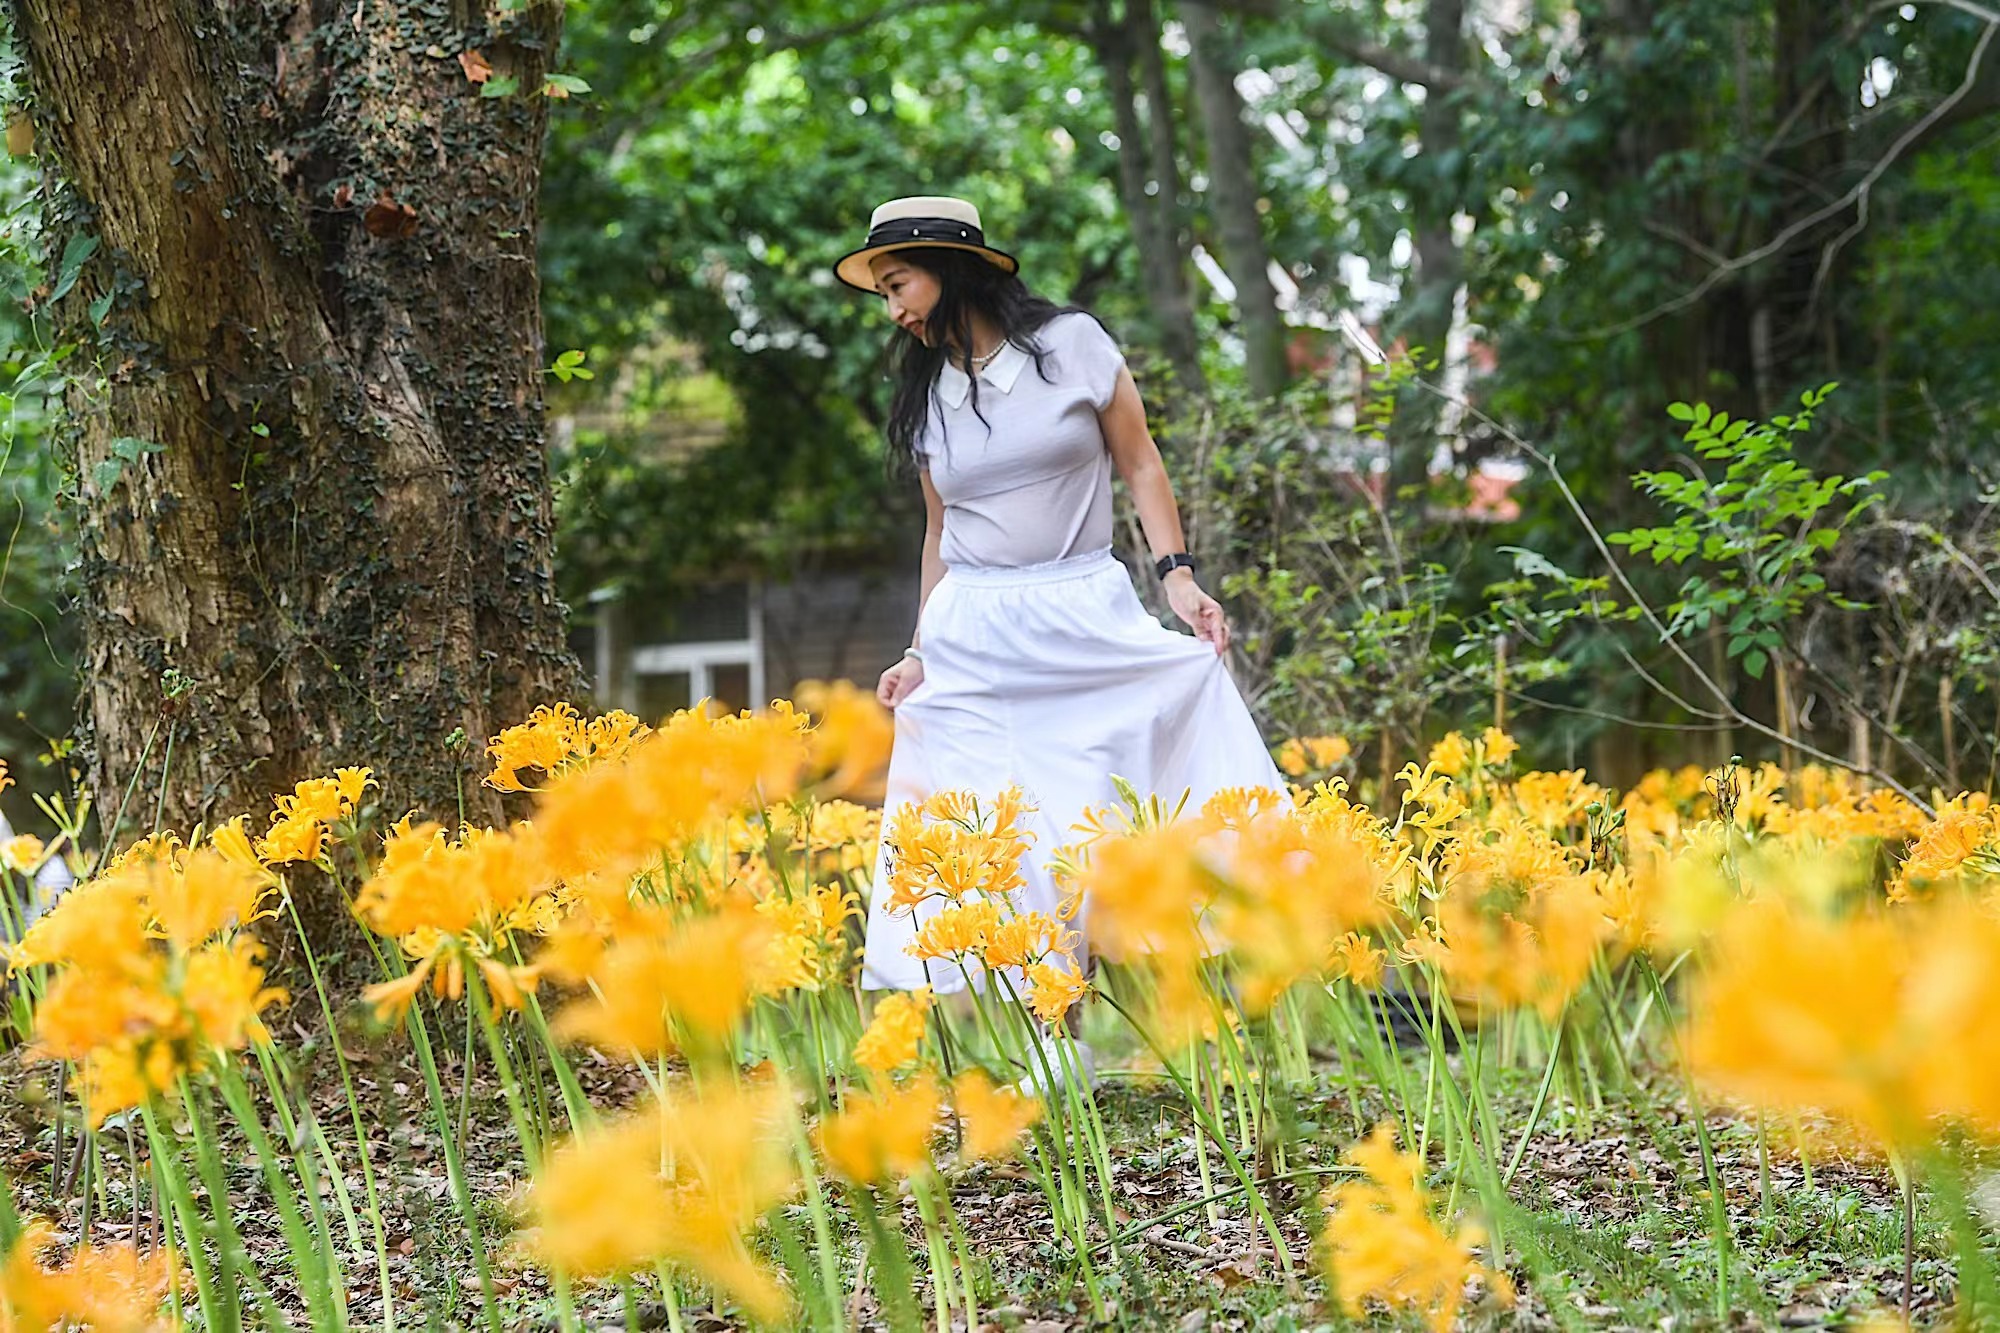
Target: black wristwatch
pixel 1167 564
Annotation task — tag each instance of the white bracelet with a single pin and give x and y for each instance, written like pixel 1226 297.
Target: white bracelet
pixel 912 652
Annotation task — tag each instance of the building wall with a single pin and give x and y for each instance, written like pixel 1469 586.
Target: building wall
pixel 847 624
pixel 822 625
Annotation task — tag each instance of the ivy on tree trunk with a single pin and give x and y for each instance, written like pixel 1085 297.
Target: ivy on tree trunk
pixel 311 480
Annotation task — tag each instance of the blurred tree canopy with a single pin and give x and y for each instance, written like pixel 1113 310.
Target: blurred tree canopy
pixel 1604 206
pixel 1581 210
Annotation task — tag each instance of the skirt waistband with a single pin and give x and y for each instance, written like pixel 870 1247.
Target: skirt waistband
pixel 1051 571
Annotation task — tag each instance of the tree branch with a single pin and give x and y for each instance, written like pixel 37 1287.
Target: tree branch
pixel 1956 108
pixel 1397 65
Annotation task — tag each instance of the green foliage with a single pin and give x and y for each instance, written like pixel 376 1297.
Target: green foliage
pixel 569 366
pixel 1758 534
pixel 1348 630
pixel 125 451
pixel 700 202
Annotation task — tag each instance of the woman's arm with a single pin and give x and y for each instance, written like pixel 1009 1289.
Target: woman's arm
pixel 1138 461
pixel 905 675
pixel 933 562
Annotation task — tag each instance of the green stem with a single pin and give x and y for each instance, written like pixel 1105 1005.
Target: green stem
pixel 1718 1209
pixel 1221 1141
pixel 1541 1099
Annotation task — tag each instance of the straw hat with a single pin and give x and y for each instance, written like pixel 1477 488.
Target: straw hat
pixel 919 220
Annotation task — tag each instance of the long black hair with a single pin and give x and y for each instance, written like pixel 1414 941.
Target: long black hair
pixel 966 283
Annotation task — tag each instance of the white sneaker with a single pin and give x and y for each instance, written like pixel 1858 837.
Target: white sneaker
pixel 1049 1056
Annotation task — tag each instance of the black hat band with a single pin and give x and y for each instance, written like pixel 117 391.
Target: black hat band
pixel 943 230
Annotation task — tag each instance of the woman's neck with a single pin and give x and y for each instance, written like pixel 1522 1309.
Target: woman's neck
pixel 986 339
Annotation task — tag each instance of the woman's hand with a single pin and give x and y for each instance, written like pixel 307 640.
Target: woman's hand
pixel 898 681
pixel 1202 613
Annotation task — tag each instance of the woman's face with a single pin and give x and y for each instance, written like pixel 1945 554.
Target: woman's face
pixel 908 291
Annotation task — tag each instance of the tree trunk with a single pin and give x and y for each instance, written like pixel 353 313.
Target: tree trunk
pixel 1233 194
pixel 1162 260
pixel 1807 85
pixel 1427 319
pixel 1161 140
pixel 315 517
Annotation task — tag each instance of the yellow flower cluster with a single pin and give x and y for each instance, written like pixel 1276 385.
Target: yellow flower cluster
pixel 1517 919
pixel 1457 757
pixel 153 973
pixel 993 1119
pixel 882 1135
pixel 555 737
pixel 851 737
pixel 22 853
pixel 450 904
pixel 962 858
pixel 893 1033
pixel 1506 891
pixel 1302 754
pixel 677 968
pixel 1959 847
pixel 617 818
pixel 684 1181
pixel 1381 1243
pixel 299 824
pixel 1882 1019
pixel 662 979
pixel 623 800
pixel 950 850
pixel 1273 884
pixel 886 1134
pixel 110 1289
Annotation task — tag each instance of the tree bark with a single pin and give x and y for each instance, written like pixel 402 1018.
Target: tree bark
pixel 1161 139
pixel 1233 194
pixel 1162 260
pixel 1817 147
pixel 315 302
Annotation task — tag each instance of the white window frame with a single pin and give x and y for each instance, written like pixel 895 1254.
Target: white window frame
pixel 699 660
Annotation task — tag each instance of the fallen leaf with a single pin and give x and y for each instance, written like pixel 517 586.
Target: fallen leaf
pixel 1235 1273
pixel 475 66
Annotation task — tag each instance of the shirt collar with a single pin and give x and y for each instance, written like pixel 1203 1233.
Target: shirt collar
pixel 954 385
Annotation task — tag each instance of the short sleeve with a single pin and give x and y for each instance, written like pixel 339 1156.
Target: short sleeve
pixel 1096 360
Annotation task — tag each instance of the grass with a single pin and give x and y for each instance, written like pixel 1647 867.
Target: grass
pixel 1614 1227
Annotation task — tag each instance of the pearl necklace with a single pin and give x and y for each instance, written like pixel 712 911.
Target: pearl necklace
pixel 981 362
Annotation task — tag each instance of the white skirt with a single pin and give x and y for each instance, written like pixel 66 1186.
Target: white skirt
pixel 1054 677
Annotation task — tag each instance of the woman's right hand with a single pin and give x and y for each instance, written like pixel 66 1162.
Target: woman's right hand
pixel 898 681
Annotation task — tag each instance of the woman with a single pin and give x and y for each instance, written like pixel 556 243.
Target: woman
pixel 1035 662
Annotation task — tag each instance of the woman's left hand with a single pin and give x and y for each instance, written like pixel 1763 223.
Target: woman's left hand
pixel 1202 613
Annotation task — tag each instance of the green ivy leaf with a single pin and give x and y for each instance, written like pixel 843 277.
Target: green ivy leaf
pixel 76 253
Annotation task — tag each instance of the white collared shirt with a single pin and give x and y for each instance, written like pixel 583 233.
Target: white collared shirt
pixel 1031 482
pixel 955 386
